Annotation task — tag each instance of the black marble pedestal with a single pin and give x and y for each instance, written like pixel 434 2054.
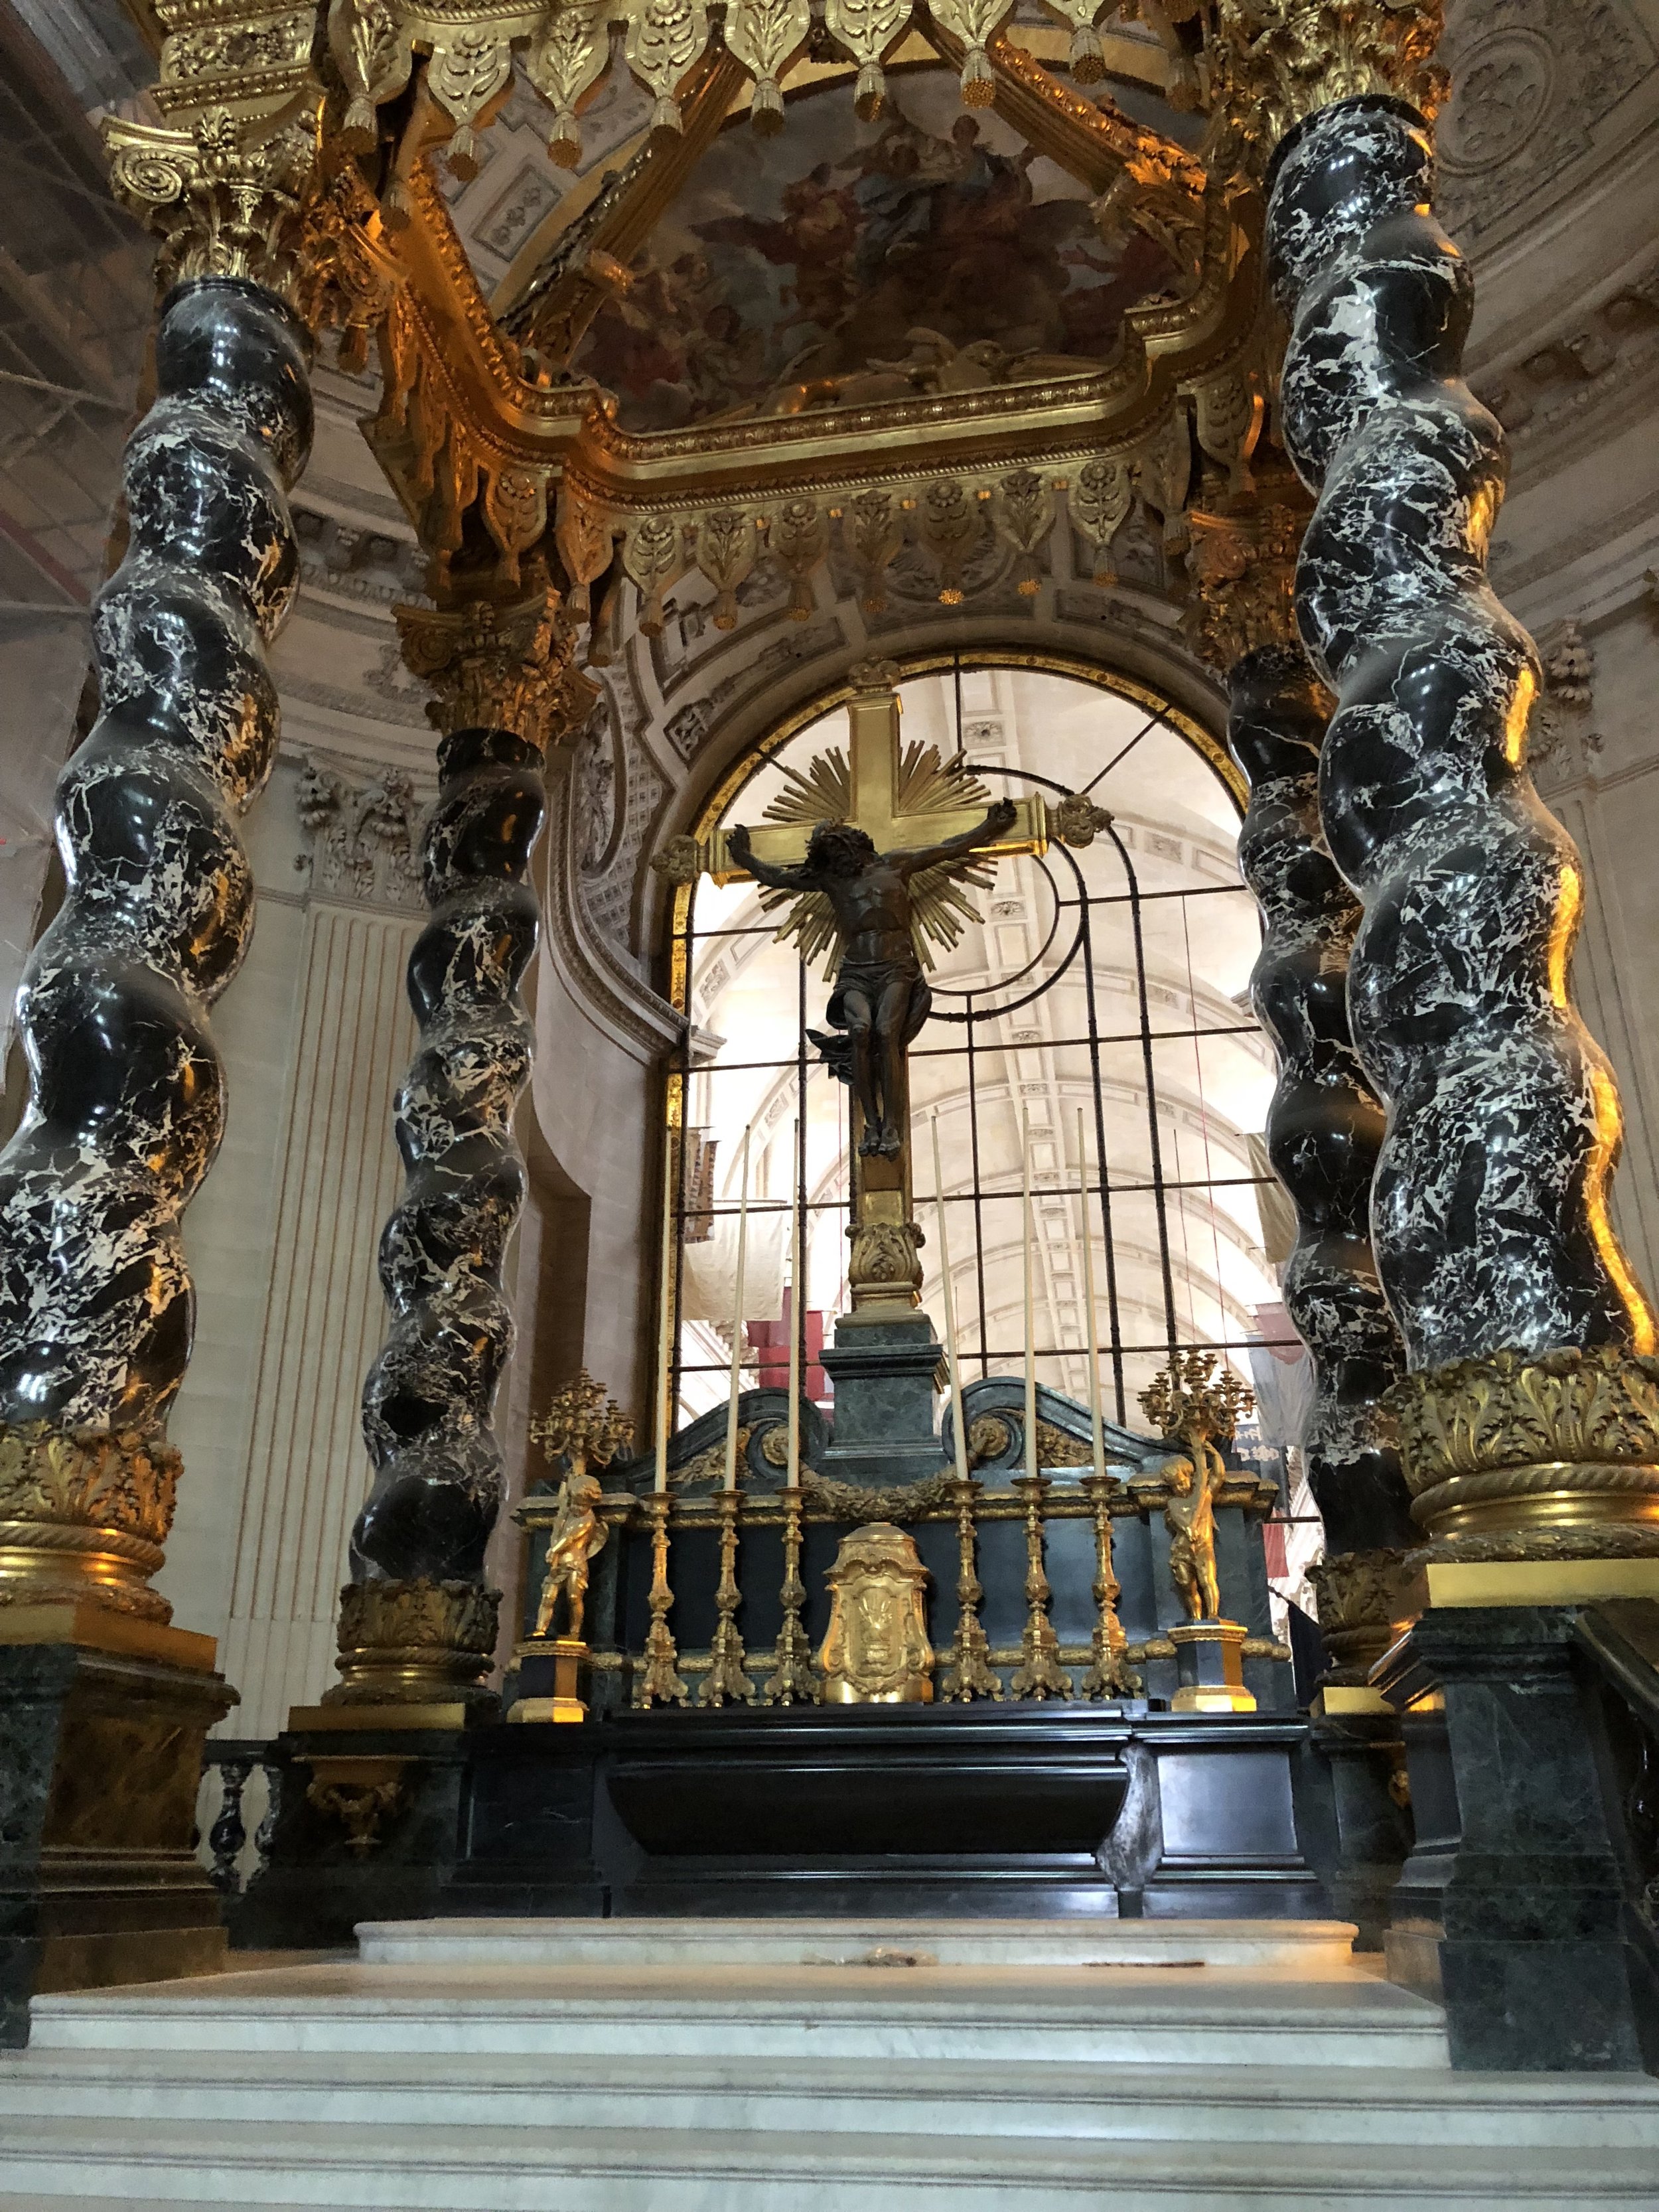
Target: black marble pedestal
pixel 1360 1755
pixel 366 1827
pixel 101 1757
pixel 955 1810
pixel 887 1375
pixel 1513 1907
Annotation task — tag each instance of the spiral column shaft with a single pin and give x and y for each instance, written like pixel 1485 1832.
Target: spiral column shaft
pixel 504 683
pixel 1324 1122
pixel 126 1087
pixel 1490 1205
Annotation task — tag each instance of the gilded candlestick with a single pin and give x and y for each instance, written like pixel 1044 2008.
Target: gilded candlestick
pixel 1110 1674
pixel 969 1673
pixel 725 1682
pixel 1039 1673
pixel 660 1684
pixel 792 1681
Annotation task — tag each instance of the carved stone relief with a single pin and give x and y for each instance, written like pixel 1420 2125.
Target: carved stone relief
pixel 1561 742
pixel 1530 82
pixel 363 837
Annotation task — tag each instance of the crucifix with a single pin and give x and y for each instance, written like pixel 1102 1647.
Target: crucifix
pixel 869 850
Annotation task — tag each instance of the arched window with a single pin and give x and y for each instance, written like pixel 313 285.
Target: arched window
pixel 1109 983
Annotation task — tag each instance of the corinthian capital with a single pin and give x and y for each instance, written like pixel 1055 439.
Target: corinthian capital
pixel 224 199
pixel 1273 62
pixel 499 667
pixel 1244 572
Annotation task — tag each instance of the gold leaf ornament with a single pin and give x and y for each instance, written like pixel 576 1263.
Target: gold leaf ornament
pixel 727 543
pixel 1087 59
pixel 464 74
pixel 374 55
pixel 766 36
pixel 948 526
pixel 1023 510
pixel 582 535
pixel 1099 498
pixel 869 29
pixel 800 539
pixel 654 558
pixel 874 527
pixel 570 57
pixel 664 38
pixel 516 514
pixel 976 22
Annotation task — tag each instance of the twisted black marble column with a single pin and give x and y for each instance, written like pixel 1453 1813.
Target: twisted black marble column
pixel 1325 1123
pixel 428 1399
pixel 126 1089
pixel 1489 1210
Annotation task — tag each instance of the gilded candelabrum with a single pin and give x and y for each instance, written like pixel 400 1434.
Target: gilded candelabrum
pixel 1110 1674
pixel 792 1680
pixel 969 1673
pixel 726 1682
pixel 659 1681
pixel 1039 1673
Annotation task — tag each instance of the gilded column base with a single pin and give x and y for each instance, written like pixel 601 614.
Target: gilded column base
pixel 1553 1458
pixel 1366 1599
pixel 84 1515
pixel 413 1644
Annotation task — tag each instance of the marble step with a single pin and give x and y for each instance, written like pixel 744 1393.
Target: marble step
pixel 1133 2015
pixel 1328 2105
pixel 460 2170
pixel 1310 1949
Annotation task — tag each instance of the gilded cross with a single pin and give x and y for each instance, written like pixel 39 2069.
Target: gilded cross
pixel 874 767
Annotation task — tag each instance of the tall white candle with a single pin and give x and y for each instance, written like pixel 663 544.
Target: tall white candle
pixel 1097 1436
pixel 738 1324
pixel 797 1305
pixel 948 1291
pixel 1030 1296
pixel 665 1315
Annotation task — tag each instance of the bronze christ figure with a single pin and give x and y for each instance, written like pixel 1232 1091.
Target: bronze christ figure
pixel 881 997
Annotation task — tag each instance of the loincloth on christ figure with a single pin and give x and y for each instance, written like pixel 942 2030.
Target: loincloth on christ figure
pixel 870 978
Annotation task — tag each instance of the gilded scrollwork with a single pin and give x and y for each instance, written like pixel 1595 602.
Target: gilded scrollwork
pixel 224 199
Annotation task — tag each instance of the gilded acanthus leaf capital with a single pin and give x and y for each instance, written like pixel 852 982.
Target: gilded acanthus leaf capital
pixel 1271 62
pixel 224 198
pixel 1243 569
pixel 499 667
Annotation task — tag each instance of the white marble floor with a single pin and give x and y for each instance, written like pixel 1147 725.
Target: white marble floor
pixel 801 2067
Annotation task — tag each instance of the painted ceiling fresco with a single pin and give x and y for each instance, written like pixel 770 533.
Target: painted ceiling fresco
pixel 842 261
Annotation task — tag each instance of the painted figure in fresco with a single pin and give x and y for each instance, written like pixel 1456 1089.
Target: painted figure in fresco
pixel 573 1541
pixel 881 997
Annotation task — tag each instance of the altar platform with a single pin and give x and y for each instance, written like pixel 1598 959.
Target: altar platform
pixel 806 2065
